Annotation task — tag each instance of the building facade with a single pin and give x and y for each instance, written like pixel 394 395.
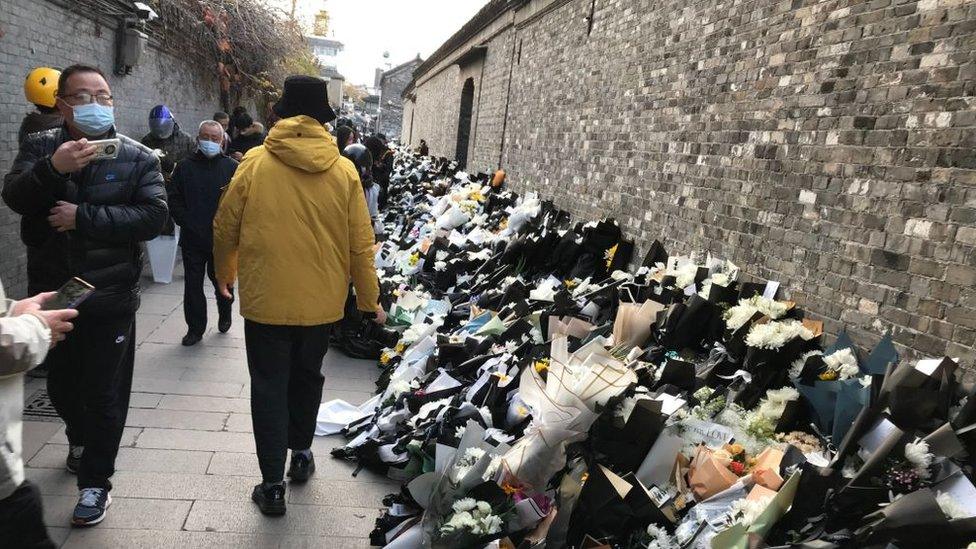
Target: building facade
pixel 392 85
pixel 826 144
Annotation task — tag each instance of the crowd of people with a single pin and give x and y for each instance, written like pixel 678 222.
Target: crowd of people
pixel 282 219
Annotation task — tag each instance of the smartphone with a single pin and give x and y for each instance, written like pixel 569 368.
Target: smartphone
pixel 69 296
pixel 106 149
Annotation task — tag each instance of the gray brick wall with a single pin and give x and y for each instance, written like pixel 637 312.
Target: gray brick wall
pixel 37 33
pixel 392 85
pixel 826 144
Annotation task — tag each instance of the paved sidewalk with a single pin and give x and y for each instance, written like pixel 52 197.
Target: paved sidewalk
pixel 187 465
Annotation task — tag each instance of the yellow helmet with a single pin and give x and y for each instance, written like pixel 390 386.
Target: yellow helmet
pixel 41 86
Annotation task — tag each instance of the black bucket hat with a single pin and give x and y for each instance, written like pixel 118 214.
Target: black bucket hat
pixel 306 95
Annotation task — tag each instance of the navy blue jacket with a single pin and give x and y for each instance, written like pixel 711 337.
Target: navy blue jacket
pixel 194 192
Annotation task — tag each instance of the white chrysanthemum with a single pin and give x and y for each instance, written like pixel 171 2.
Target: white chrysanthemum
pixel 684 276
pixel 737 316
pixel 482 508
pixel 917 453
pixel 492 468
pixel 491 524
pixel 773 335
pixel 843 362
pixel 951 507
pixel 659 538
pixel 747 511
pixel 797 367
pixel 464 504
pixel 784 394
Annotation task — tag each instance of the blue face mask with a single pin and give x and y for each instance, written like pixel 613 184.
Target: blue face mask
pixel 208 148
pixel 93 119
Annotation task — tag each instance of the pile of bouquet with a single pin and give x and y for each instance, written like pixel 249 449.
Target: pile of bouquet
pixel 544 392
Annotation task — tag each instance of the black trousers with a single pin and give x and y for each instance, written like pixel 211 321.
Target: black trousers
pixel 285 363
pixel 22 520
pixel 89 383
pixel 196 265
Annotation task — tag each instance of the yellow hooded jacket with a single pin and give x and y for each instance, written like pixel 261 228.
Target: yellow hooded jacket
pixel 293 225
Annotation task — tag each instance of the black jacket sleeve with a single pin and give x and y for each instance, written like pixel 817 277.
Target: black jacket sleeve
pixel 176 197
pixel 142 219
pixel 32 186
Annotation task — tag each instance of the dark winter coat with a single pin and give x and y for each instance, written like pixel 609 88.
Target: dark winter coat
pixel 246 140
pixel 37 121
pixel 175 148
pixel 194 192
pixel 121 203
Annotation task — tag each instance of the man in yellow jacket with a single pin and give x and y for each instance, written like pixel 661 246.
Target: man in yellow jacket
pixel 293 226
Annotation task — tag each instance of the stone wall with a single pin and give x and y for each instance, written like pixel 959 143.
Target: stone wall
pixel 38 33
pixel 825 144
pixel 392 83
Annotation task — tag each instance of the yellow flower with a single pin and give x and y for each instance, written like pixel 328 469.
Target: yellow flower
pixel 541 365
pixel 829 375
pixel 736 449
pixel 501 377
pixel 610 253
pixel 400 347
pixel 572 283
pixel 385 358
pixel 503 225
pixel 414 258
pixel 477 196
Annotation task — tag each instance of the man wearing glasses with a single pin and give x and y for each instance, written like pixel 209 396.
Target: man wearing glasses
pixel 85 216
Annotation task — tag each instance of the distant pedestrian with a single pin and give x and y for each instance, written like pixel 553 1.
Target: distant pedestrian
pixel 382 167
pixel 343 137
pixel 193 196
pixel 238 112
pixel 166 136
pixel 250 134
pixel 40 88
pixel 294 221
pixel 223 119
pixel 26 334
pixel 424 150
pixel 84 217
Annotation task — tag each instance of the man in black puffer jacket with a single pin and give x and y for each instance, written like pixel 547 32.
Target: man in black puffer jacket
pixel 86 218
pixel 194 193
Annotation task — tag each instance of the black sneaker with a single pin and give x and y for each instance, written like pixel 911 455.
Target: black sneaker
pixel 224 325
pixel 270 499
pixel 92 506
pixel 73 461
pixel 189 340
pixel 302 467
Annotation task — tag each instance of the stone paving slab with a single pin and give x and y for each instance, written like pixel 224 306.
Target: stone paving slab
pixel 133 459
pixel 204 404
pixel 185 439
pixel 243 517
pixel 176 419
pixel 129 436
pixel 130 513
pixel 326 468
pixel 149 539
pixel 186 466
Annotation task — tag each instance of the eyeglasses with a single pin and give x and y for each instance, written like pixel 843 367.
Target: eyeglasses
pixel 83 98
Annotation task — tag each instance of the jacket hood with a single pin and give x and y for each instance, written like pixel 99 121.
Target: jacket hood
pixel 301 142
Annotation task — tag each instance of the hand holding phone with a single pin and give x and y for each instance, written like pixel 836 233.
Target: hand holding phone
pixel 69 296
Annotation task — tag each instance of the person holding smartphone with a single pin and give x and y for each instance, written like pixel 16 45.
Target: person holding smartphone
pixel 27 331
pixel 85 215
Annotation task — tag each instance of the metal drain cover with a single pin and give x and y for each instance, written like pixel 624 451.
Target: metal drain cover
pixel 39 407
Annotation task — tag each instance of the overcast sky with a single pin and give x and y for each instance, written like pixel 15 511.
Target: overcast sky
pixel 368 28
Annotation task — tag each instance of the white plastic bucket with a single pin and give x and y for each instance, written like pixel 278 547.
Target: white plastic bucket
pixel 162 256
